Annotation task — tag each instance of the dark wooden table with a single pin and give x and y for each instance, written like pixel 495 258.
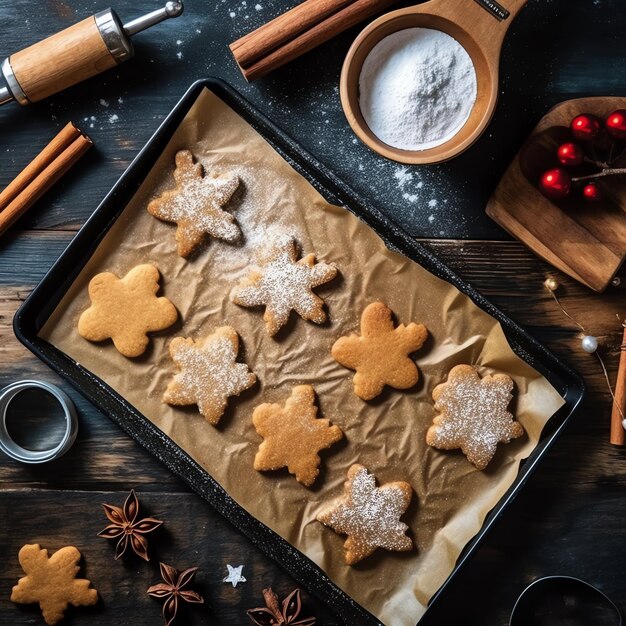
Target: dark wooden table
pixel 570 517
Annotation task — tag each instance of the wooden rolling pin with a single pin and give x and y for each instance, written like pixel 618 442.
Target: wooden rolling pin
pixel 75 54
pixel 297 31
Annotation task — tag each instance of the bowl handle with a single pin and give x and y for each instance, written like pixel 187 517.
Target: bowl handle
pixel 487 21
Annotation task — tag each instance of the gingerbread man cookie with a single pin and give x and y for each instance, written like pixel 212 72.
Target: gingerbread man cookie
pixel 283 284
pixel 51 581
pixel 209 373
pixel 195 205
pixel 293 435
pixel 473 414
pixel 369 515
pixel 380 355
pixel 126 309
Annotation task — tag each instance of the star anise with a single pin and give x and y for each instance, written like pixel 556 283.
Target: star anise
pixel 127 529
pixel 272 614
pixel 173 588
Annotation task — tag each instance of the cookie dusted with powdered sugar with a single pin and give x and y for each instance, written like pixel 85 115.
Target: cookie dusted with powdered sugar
pixel 196 205
pixel 473 414
pixel 369 515
pixel 283 284
pixel 209 373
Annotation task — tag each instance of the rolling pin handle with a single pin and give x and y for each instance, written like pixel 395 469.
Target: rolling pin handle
pixel 172 8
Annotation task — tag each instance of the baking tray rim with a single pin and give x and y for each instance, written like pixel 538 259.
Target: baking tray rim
pixel 44 298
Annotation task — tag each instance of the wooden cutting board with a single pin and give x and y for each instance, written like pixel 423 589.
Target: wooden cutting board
pixel 586 241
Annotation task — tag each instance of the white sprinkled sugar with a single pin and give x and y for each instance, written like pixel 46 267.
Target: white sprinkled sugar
pixel 209 373
pixel 283 284
pixel 369 515
pixel 473 414
pixel 417 88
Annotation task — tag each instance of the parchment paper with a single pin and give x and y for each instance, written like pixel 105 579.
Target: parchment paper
pixel 387 435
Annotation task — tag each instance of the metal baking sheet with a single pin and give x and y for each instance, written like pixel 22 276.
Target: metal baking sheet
pixel 37 308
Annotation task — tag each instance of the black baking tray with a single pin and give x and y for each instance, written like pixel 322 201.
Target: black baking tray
pixel 37 308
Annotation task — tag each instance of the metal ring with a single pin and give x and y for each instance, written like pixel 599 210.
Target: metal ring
pixel 112 32
pixel 12 83
pixel 568 582
pixel 10 447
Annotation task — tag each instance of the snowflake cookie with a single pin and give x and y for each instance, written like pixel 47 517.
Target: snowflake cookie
pixel 195 205
pixel 473 414
pixel 126 309
pixel 51 581
pixel 293 435
pixel 209 373
pixel 283 284
pixel 380 355
pixel 369 515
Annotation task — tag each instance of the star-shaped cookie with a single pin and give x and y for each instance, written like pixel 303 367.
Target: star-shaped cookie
pixel 126 309
pixel 473 414
pixel 369 515
pixel 51 581
pixel 283 284
pixel 209 373
pixel 293 435
pixel 380 354
pixel 195 204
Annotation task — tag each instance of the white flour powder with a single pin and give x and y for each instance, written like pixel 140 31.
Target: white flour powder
pixel 417 88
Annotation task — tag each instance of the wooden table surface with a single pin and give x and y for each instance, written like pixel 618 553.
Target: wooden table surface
pixel 570 517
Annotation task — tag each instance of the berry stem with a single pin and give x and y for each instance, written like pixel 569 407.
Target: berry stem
pixel 599 164
pixel 607 171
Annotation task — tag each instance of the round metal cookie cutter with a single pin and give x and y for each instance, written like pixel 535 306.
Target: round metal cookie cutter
pixel 567 595
pixel 10 447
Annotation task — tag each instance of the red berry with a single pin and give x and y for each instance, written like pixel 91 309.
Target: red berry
pixel 592 192
pixel 555 183
pixel 585 127
pixel 616 124
pixel 570 154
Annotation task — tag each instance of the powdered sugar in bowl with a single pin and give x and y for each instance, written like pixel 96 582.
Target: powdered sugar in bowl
pixel 420 85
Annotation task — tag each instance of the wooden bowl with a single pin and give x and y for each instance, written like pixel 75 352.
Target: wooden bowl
pixel 475 28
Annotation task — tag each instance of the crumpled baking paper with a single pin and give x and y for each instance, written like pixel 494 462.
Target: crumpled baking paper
pixel 386 435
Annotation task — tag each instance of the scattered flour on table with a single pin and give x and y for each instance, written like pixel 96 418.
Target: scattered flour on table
pixel 417 88
pixel 403 176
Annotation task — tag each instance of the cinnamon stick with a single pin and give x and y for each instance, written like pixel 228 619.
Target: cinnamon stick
pixel 38 164
pixel 283 39
pixel 39 175
pixel 267 38
pixel 618 435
